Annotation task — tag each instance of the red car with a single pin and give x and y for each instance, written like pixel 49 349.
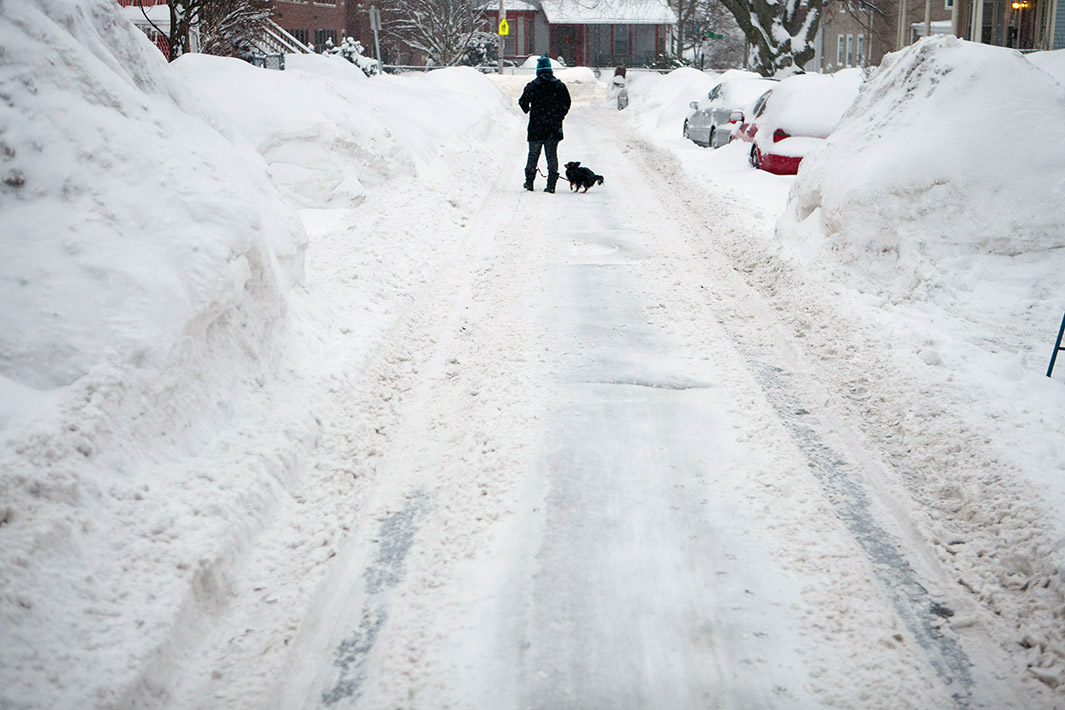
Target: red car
pixel 794 117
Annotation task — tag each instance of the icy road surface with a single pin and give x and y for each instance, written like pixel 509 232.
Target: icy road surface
pixel 598 471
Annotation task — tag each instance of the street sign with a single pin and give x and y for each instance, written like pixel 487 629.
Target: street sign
pixel 504 27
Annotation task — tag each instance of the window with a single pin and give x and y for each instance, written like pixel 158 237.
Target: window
pixel 850 50
pixel 948 4
pixel 510 40
pixel 320 36
pixel 841 55
pixel 759 106
pixel 302 35
pixel 621 40
pixel 861 50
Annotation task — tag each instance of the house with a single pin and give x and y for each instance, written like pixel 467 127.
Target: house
pixel 310 22
pixel 859 34
pixel 856 33
pixel 314 22
pixel 587 32
pixel 1020 24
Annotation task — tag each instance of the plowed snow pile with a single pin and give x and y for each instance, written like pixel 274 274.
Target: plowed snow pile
pixel 932 179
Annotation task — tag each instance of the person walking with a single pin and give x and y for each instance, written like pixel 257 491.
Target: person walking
pixel 546 100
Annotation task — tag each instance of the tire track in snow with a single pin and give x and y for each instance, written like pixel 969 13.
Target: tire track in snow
pixel 842 484
pixel 914 605
pixel 395 537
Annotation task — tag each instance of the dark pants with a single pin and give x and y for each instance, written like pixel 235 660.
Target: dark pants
pixel 550 149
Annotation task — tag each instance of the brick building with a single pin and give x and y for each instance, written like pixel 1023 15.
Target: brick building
pixel 314 21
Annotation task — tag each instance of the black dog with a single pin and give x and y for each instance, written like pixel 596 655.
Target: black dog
pixel 581 177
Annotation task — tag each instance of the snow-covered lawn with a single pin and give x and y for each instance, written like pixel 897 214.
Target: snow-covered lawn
pixel 226 293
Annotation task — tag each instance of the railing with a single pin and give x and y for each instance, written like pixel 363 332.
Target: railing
pixel 276 40
pixel 1057 349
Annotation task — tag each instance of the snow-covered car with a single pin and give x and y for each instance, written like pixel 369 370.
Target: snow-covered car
pixel 794 117
pixel 709 124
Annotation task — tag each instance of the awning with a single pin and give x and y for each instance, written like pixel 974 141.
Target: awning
pixel 608 12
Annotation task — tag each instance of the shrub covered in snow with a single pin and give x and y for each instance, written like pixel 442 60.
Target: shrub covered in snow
pixel 483 49
pixel 352 50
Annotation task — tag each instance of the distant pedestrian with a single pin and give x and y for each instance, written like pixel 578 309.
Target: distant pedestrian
pixel 546 100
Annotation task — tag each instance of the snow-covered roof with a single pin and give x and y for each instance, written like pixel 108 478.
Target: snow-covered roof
pixel 608 12
pixel 159 15
pixel 510 6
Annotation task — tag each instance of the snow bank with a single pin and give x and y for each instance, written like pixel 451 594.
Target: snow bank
pixel 329 134
pixel 917 189
pixel 530 63
pixel 131 220
pixel 1053 63
pixel 147 261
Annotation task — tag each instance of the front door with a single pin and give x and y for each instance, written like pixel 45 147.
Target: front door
pixel 567 41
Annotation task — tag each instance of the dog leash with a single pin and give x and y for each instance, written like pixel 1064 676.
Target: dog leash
pixel 542 174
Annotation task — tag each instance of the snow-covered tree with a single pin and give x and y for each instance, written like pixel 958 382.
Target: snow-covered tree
pixel 780 32
pixel 352 50
pixel 230 28
pixel 707 34
pixel 483 50
pixel 441 29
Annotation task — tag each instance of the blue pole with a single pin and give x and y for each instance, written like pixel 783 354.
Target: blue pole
pixel 1057 348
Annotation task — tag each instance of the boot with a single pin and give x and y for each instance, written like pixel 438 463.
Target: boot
pixel 552 178
pixel 530 175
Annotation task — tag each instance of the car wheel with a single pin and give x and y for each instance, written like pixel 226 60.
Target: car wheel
pixel 710 141
pixel 756 160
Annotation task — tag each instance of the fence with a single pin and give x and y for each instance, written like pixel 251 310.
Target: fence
pixel 268 61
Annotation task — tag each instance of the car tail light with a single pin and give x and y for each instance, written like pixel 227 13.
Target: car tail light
pixel 779 135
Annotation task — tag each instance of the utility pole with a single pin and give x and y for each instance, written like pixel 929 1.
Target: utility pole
pixel 504 30
pixel 375 25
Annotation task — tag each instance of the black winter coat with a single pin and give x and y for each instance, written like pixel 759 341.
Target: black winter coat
pixel 546 100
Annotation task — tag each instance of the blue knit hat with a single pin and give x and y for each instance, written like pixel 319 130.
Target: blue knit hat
pixel 543 66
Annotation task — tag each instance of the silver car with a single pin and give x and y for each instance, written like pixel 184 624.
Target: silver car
pixel 710 124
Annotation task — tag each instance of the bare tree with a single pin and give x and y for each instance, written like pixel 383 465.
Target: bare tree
pixel 441 29
pixel 708 32
pixel 781 34
pixel 184 14
pixel 230 28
